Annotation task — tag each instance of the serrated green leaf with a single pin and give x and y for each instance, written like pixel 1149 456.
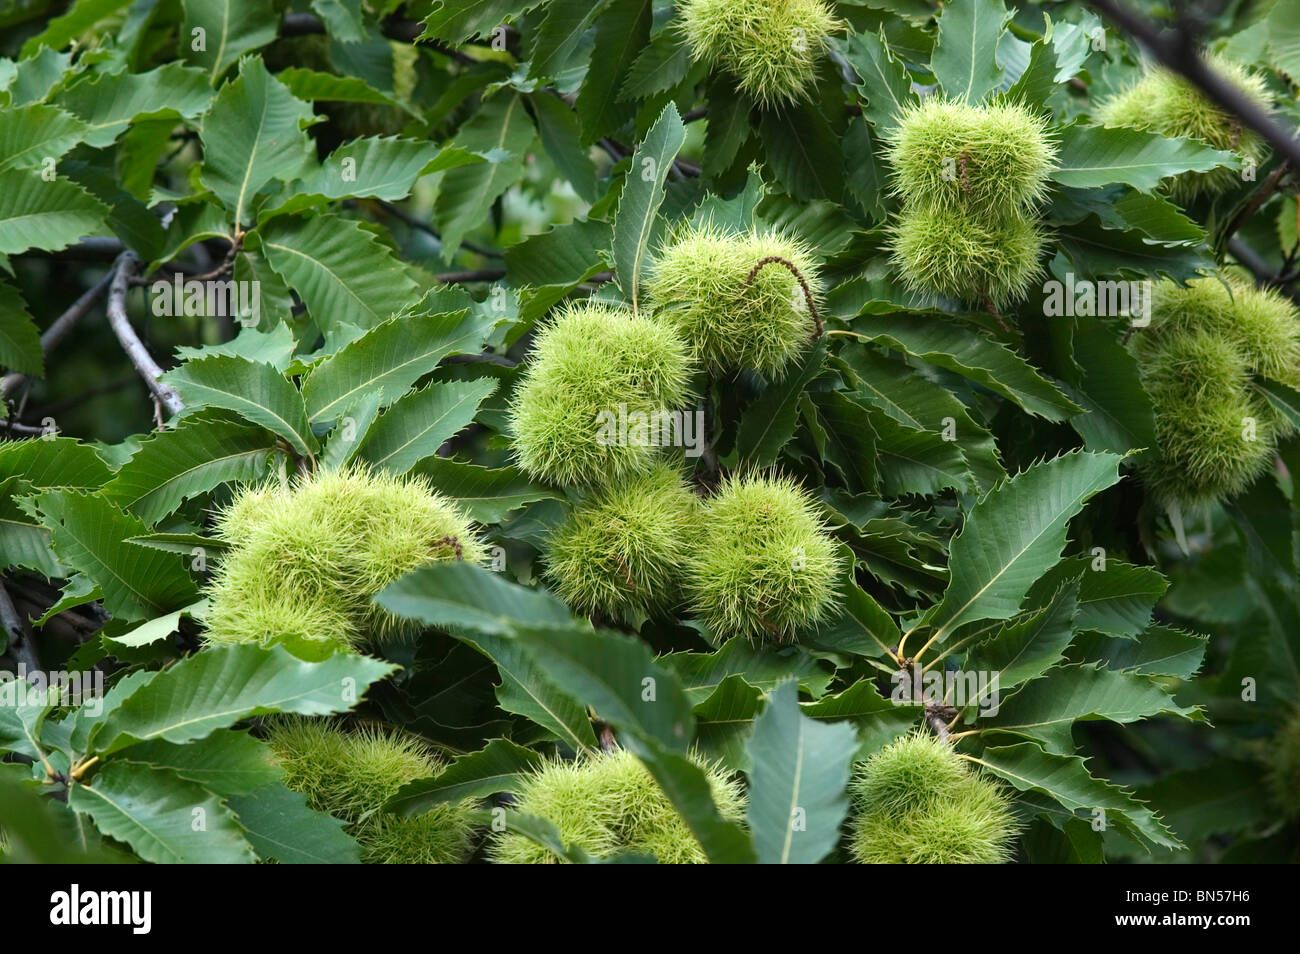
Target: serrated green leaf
pixel 1045 710
pixel 198 455
pixel 388 359
pixel 35 134
pixel 36 214
pixel 20 342
pixel 226 762
pixel 797 797
pixel 487 494
pixel 219 686
pixel 970 354
pixel 459 20
pixel 768 424
pixel 89 534
pixel 1092 156
pixel 257 392
pixel 154 811
pixel 1014 535
pixel 280 827
pixel 883 80
pixel 253 132
pixel 502 131
pixel 230 28
pixel 419 423
pixel 498 767
pixel 1065 778
pixel 963 60
pixel 110 103
pixel 643 193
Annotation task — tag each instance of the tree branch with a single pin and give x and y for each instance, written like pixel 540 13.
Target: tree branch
pixel 148 369
pixel 20 643
pixel 1179 54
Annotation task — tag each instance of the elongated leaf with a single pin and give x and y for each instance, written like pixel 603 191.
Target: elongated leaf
pixel 230 28
pixel 916 401
pixel 688 788
pixel 882 79
pixel 1094 156
pixel 803 150
pixel 219 686
pixel 20 342
pixel 768 424
pixel 500 131
pixel 525 690
pixel 89 534
pixel 53 462
pixel 460 594
pixel 1027 648
pixel 280 827
pixel 622 32
pixel 1159 651
pixel 972 355
pixel 44 215
pixel 487 495
pixel 257 392
pixel 458 20
pixel 913 460
pixel 418 424
pixel 384 167
pixel 23 541
pixel 110 103
pixel 1014 535
pixel 339 269
pixel 643 193
pixel 797 798
pixel 226 763
pixel 31 134
pixel 1065 778
pixel 963 60
pixel 173 466
pixel 498 767
pixel 1116 600
pixel 252 133
pixel 1045 710
pixel 162 816
pixel 619 677
pixel 388 359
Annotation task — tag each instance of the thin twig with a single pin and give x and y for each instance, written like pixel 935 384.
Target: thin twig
pixel 144 363
pixel 61 327
pixel 1262 195
pixel 1180 55
pixel 798 276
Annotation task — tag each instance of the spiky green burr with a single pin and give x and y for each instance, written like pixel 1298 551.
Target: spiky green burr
pixel 1165 103
pixel 594 360
pixel 609 804
pixel 621 550
pixel 351 774
pixel 965 256
pixel 764 566
pixel 737 313
pixel 771 47
pixel 306 558
pixel 1216 432
pixel 916 802
pixel 984 159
